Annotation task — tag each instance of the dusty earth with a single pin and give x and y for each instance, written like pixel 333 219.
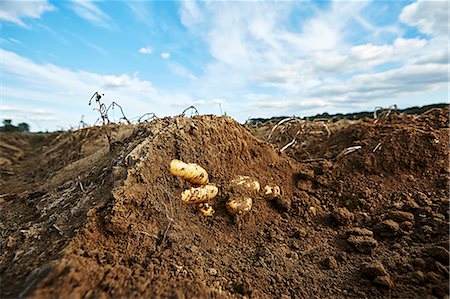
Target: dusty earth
pixel 80 217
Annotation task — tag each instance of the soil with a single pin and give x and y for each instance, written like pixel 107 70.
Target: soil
pixel 82 217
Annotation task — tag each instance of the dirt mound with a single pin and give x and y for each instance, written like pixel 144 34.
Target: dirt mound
pixel 106 220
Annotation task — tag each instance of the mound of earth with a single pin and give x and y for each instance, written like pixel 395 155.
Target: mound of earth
pixel 84 217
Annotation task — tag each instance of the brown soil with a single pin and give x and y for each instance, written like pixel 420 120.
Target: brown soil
pixel 81 218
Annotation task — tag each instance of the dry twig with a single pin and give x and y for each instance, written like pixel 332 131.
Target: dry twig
pixel 376 147
pixel 285 120
pixel 195 111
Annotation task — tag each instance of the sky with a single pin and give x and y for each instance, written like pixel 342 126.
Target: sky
pixel 244 58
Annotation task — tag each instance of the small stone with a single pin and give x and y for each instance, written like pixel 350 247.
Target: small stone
pixel 11 242
pixel 440 254
pixel 242 288
pixel 295 245
pixel 419 277
pixel 312 211
pixel 418 263
pixel 294 255
pixel 422 199
pixel 384 281
pixel 362 217
pixel 425 231
pixel 363 244
pixel 305 174
pixel 396 246
pixel 212 271
pixel 387 228
pixel 283 203
pixel 302 232
pixel 373 269
pixel 304 185
pixel 409 204
pixel 329 263
pixel 357 231
pixel 343 216
pixel 407 226
pixel 400 216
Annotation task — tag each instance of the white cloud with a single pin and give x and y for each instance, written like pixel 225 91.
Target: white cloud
pixel 66 92
pixel 181 71
pixel 393 83
pixel 430 17
pixel 315 64
pixel 14 11
pixel 92 13
pixel 146 50
pixel 165 55
pixel 190 13
pixel 19 113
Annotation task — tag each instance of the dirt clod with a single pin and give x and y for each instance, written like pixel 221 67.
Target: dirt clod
pixel 363 244
pixel 283 203
pixel 440 253
pixel 384 281
pixel 329 263
pixel 357 231
pixel 343 216
pixel 401 216
pixel 373 269
pixel 387 228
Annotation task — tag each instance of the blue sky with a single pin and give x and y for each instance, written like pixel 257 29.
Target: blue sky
pixel 246 58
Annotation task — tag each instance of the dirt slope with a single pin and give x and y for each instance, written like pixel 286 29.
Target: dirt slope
pixel 81 218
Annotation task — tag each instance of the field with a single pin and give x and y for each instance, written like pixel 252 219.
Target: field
pixel 363 211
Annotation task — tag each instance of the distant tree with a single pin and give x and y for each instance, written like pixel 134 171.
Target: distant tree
pixel 9 127
pixel 23 127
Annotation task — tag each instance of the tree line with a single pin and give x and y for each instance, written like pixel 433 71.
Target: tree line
pixel 8 127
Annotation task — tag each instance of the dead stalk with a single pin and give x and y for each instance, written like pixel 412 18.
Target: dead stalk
pixel 195 111
pixel 150 115
pixel 285 120
pixel 347 151
pixel 376 147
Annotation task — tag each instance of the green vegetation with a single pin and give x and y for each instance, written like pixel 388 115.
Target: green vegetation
pixel 8 127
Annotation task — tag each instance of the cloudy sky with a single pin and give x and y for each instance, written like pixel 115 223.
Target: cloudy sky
pixel 245 58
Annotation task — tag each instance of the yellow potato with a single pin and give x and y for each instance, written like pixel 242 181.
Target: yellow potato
pixel 246 182
pixel 206 209
pixel 240 205
pixel 191 172
pixel 199 194
pixel 272 192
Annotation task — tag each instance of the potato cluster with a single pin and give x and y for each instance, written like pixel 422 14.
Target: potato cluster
pixel 201 192
pixel 240 190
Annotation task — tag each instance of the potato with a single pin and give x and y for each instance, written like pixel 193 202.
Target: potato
pixel 196 195
pixel 206 209
pixel 246 182
pixel 240 205
pixel 272 192
pixel 191 172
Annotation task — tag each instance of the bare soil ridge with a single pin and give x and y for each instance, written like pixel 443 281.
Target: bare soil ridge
pixel 83 218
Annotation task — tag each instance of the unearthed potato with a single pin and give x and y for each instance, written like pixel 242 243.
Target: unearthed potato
pixel 246 182
pixel 206 209
pixel 240 205
pixel 199 194
pixel 191 172
pixel 271 192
